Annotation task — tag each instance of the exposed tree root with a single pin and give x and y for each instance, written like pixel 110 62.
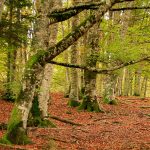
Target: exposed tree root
pixel 65 121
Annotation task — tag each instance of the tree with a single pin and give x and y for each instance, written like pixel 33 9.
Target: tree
pixel 73 95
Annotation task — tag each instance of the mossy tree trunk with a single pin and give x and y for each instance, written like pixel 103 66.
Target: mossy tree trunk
pixel 89 99
pixel 18 121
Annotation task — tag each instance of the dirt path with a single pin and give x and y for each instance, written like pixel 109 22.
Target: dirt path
pixel 125 126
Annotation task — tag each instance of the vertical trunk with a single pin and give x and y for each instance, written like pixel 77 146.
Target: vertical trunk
pixel 1 8
pixel 137 83
pixel 144 87
pixel 66 58
pixel 109 92
pixel 11 56
pixel 73 95
pixel 126 82
pixel 90 101
pixel 44 94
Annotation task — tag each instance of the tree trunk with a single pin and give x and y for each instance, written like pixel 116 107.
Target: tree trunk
pixel 90 101
pixel 73 95
pixel 144 87
pixel 137 83
pixel 44 94
pixel 1 8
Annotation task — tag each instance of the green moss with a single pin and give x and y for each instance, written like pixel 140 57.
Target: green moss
pixel 110 101
pixel 14 119
pixel 35 59
pixel 91 106
pixel 38 122
pixel 4 140
pixel 73 103
pixel 16 134
pixel 35 111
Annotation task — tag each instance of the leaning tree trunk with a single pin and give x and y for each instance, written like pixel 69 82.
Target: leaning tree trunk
pixel 73 95
pixel 16 132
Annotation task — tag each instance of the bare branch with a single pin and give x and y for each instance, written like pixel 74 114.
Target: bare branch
pixel 58 15
pixel 101 71
pixel 130 8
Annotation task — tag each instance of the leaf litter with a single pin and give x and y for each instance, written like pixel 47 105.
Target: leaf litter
pixel 125 126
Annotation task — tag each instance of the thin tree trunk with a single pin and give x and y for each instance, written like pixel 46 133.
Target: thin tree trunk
pixel 73 95
pixel 137 83
pixel 1 8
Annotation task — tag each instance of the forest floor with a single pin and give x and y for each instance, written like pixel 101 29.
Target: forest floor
pixel 125 126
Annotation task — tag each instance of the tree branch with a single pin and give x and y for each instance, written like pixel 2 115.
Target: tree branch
pixel 130 8
pixel 100 71
pixel 62 14
pixel 58 15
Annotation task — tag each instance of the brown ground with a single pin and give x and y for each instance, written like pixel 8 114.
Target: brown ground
pixel 125 126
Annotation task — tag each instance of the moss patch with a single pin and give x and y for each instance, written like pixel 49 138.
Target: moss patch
pixel 110 101
pixel 38 122
pixel 89 105
pixel 73 103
